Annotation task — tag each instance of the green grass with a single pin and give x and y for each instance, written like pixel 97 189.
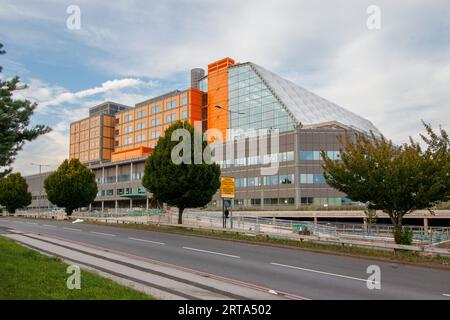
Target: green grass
pixel 398 256
pixel 27 274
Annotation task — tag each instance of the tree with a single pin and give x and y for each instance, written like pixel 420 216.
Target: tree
pixel 71 186
pixel 14 122
pixel 14 192
pixel 184 185
pixel 397 179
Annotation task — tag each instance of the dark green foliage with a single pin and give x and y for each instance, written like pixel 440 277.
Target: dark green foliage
pixel 406 236
pixel 181 185
pixel 396 179
pixel 14 121
pixel 14 192
pixel 71 186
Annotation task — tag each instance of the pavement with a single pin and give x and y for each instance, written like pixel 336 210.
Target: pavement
pixel 221 269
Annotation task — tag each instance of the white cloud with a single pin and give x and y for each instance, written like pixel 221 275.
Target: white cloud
pixel 110 85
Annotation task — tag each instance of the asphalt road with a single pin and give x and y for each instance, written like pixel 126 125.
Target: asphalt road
pixel 307 274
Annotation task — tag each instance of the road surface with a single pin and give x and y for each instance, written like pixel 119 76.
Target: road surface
pixel 305 274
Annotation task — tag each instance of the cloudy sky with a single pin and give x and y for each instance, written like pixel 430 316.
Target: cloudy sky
pixel 128 51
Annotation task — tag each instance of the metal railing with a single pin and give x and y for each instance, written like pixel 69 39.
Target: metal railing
pixel 270 226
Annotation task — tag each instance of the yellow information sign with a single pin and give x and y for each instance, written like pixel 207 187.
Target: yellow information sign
pixel 227 187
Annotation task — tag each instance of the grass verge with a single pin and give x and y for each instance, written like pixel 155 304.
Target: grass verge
pixel 406 257
pixel 28 275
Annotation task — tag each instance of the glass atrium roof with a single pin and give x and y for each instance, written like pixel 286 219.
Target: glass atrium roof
pixel 307 108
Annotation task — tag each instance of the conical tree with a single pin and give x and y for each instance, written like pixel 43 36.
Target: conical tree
pixel 189 184
pixel 14 192
pixel 71 186
pixel 397 179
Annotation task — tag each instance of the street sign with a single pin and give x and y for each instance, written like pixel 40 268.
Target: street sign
pixel 227 188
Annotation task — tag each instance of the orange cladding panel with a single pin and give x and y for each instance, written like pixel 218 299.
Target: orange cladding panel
pixel 218 94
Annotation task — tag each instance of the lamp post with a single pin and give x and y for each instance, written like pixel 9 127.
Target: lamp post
pixel 40 165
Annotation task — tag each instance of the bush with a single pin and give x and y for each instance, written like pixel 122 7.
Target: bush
pixel 407 236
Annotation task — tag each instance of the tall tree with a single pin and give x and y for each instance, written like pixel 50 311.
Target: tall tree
pixel 14 122
pixel 14 192
pixel 397 179
pixel 184 185
pixel 71 186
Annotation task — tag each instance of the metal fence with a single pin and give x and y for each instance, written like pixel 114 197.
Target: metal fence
pixel 270 226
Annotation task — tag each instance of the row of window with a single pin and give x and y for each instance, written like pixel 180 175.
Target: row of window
pixel 155 109
pixel 120 178
pixel 140 138
pixel 276 157
pixel 305 178
pixel 155 122
pixel 317 201
pixel 119 192
pixel 316 155
pixel 254 160
pixel 39 197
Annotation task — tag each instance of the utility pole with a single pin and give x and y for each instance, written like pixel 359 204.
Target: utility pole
pixel 40 165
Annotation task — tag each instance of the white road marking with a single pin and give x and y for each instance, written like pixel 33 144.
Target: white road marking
pixel 73 229
pixel 32 222
pixel 446 294
pixel 49 225
pixel 143 240
pixel 104 234
pixel 320 272
pixel 19 222
pixel 212 252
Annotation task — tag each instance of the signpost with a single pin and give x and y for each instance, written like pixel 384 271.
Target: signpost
pixel 227 191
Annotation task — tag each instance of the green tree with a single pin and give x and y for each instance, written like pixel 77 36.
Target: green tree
pixel 397 179
pixel 14 122
pixel 184 185
pixel 14 192
pixel 71 186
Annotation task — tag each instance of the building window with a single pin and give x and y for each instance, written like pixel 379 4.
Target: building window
pixel 286 179
pixel 141 125
pixel 128 129
pixel 155 122
pixel 312 178
pixel 316 155
pixel 111 179
pixel 128 140
pixel 171 104
pixel 253 181
pixel 140 137
pixel 155 134
pixel 271 201
pixel 128 118
pixel 255 202
pixel 286 201
pixel 306 200
pixel 184 114
pixel 123 178
pixel 171 118
pixel 141 114
pixel 156 109
pixel 184 101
